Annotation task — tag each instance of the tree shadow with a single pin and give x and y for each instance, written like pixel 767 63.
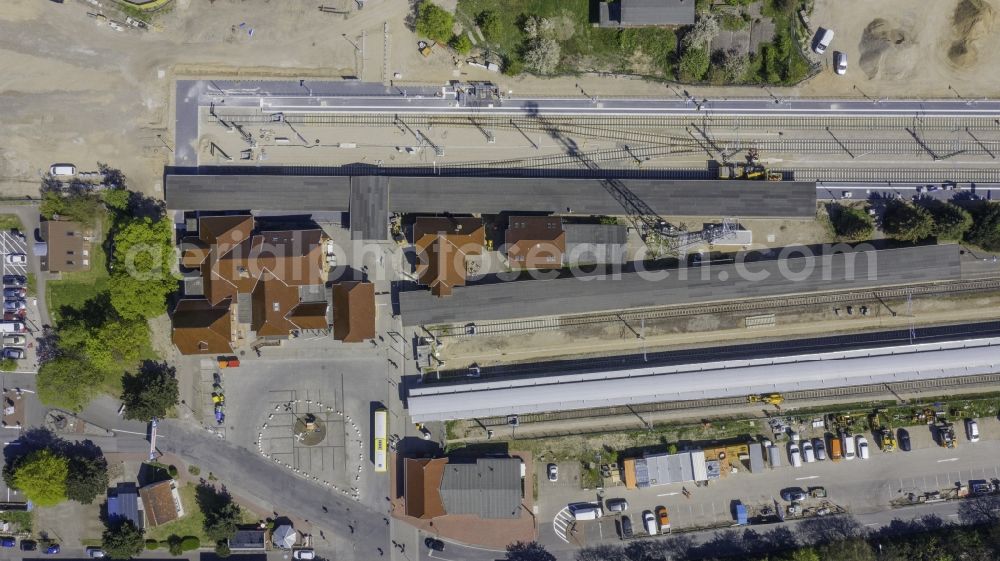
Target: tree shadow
pixel 825 529
pixel 979 510
pixel 211 498
pixel 94 313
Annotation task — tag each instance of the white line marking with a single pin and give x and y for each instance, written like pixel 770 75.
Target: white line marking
pixel 669 494
pixel 872 524
pixel 948 460
pixel 807 477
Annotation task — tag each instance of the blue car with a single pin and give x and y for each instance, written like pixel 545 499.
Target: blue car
pixel 7 542
pixel 52 549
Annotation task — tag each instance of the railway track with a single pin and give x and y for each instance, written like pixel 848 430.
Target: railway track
pixel 790 397
pixel 896 175
pixel 634 317
pixel 634 155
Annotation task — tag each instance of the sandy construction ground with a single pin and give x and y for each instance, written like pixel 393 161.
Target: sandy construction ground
pixel 72 89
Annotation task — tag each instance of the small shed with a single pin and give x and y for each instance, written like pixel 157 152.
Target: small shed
pixel 284 537
pixel 756 454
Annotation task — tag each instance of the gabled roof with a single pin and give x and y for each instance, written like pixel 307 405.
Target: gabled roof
pixel 442 245
pixel 158 503
pixel 421 487
pixel 272 301
pixel 309 315
pixel 353 311
pixel 535 242
pixel 489 488
pixel 200 328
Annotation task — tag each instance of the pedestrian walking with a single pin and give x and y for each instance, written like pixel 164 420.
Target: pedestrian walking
pixel 325 509
pixel 351 528
pixel 380 551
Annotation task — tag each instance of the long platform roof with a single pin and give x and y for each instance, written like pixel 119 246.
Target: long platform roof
pixel 704 380
pixel 583 294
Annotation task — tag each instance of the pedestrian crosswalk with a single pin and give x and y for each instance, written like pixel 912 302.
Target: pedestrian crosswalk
pixel 561 523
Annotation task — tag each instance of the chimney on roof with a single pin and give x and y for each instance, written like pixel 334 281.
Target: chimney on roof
pixel 458 227
pixel 244 274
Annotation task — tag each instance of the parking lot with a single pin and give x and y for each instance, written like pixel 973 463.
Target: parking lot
pixel 857 486
pixel 19 309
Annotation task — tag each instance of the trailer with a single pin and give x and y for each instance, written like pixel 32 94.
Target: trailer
pixel 741 514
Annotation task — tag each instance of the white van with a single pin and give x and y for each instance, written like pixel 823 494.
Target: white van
pixel 62 169
pixel 11 327
pixel 847 443
pixel 774 456
pixel 825 37
pixel 794 455
pixel 585 511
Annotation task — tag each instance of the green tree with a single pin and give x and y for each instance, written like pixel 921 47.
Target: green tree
pixel 693 65
pixel 804 554
pixel 175 544
pixel 117 199
pixel 221 521
pixel 41 476
pixel 461 43
pixel 528 551
pixel 143 275
pixel 122 540
pixel 489 23
pixel 906 222
pixel 851 223
pixel 110 347
pixel 222 549
pixel 150 392
pixel 87 478
pixel 434 22
pixel 985 231
pixel 851 549
pixel 951 221
pixel 67 382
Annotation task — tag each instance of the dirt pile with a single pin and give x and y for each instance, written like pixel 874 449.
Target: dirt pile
pixel 887 50
pixel 973 21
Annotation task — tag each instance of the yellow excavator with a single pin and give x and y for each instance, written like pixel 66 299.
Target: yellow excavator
pixel 775 399
pixel 887 441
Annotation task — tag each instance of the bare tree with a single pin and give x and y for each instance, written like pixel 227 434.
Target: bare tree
pixel 702 32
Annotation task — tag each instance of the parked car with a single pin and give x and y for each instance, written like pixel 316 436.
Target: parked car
pixel 793 494
pixel 434 544
pixel 304 554
pixel 15 292
pixel 972 430
pixel 823 39
pixel 62 169
pixel 12 353
pixel 14 280
pixel 840 63
pixel 807 452
pixel 15 305
pixel 7 542
pixel 626 527
pixel 794 455
pixel 29 545
pixel 15 316
pixel 16 258
pixel 95 553
pixel 820 447
pixel 14 340
pixel 904 440
pixel 649 523
pixel 850 448
pixel 553 471
pixel 863 448
pixel 52 549
pixel 664 518
pixel 616 505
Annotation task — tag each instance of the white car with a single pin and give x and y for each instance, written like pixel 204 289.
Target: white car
pixel 862 448
pixel 14 340
pixel 794 455
pixel 16 258
pixel 14 305
pixel 972 430
pixel 553 472
pixel 823 39
pixel 62 169
pixel 304 554
pixel 840 63
pixel 95 553
pixel 807 452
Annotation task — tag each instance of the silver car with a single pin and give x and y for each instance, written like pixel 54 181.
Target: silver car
pixel 840 63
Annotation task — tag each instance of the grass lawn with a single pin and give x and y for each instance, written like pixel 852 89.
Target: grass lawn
pixel 192 523
pixel 8 221
pixel 75 289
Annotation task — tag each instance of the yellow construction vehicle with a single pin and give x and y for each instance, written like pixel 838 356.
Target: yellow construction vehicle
pixel 775 399
pixel 751 170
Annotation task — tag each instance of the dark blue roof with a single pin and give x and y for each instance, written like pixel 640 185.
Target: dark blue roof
pixel 124 504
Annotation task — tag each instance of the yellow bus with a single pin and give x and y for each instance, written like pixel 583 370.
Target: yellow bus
pixel 380 454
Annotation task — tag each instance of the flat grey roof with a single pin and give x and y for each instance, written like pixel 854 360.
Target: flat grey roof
pixel 257 192
pixel 369 208
pixel 490 195
pixel 489 488
pixel 575 295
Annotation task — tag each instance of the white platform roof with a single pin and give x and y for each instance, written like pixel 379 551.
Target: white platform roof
pixel 705 380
